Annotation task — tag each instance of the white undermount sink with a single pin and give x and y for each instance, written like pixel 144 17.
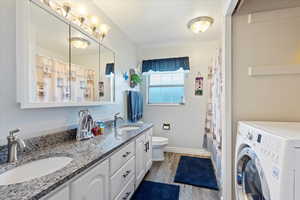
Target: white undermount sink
pixel 128 128
pixel 34 169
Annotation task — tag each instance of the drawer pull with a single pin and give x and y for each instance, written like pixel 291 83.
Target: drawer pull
pixel 127 173
pixel 126 154
pixel 147 146
pixel 127 195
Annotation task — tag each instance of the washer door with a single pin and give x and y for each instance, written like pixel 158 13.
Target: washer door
pixel 250 180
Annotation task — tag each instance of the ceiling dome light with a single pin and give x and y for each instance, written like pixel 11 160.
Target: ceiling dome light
pixel 79 43
pixel 200 24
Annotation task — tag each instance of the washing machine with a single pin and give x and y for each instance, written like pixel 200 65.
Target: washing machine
pixel 267 161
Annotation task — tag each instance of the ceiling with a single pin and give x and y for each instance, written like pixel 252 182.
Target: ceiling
pixel 252 6
pixel 148 22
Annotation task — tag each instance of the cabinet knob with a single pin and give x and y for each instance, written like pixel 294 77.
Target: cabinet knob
pixel 126 154
pixel 127 173
pixel 126 196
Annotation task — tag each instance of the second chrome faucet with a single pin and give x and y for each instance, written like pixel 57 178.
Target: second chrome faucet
pixel 12 144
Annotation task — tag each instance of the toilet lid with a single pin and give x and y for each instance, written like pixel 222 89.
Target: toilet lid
pixel 160 140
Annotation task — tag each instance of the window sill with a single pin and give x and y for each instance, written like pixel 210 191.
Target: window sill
pixel 166 104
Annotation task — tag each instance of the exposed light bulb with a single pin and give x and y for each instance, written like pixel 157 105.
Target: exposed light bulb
pixel 103 30
pixel 94 20
pixel 82 11
pixel 66 8
pixel 81 14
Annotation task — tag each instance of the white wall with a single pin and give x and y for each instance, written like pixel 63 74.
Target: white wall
pixel 187 121
pixel 272 39
pixel 40 121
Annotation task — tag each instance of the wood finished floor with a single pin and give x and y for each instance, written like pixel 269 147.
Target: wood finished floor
pixel 164 172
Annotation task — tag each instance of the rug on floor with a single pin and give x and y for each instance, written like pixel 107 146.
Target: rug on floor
pixel 197 172
pixel 149 190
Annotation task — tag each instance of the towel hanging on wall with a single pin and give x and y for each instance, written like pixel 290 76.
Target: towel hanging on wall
pixel 110 68
pixel 134 106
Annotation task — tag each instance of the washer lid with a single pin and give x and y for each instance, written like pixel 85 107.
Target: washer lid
pixel 159 140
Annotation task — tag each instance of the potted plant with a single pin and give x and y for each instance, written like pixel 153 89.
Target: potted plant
pixel 135 79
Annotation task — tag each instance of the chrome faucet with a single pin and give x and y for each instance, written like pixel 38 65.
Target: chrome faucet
pixel 13 143
pixel 116 117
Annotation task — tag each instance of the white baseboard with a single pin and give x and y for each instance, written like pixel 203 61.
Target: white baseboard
pixel 194 151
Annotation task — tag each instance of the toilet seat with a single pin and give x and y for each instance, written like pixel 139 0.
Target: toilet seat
pixel 159 141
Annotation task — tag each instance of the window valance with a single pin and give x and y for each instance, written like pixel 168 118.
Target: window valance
pixel 166 64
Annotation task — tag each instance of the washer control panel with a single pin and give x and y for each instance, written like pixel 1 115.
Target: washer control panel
pixel 268 145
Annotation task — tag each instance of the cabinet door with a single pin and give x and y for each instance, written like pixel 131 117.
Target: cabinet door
pixel 93 185
pixel 148 153
pixel 62 194
pixel 140 159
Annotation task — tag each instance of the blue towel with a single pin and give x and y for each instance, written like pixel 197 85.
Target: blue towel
pixel 134 106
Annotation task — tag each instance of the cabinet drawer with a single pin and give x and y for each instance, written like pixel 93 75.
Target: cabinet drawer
pixel 127 192
pixel 62 194
pixel 122 177
pixel 121 157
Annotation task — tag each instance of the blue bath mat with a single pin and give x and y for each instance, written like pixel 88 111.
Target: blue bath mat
pixel 156 191
pixel 197 172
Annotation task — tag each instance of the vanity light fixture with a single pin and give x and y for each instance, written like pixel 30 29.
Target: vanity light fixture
pixel 103 31
pixel 66 9
pixel 79 43
pixel 94 23
pixel 200 24
pixel 79 17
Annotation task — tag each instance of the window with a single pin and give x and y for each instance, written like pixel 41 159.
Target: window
pixel 166 88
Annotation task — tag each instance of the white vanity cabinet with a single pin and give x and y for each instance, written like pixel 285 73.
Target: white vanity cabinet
pixel 143 155
pixel 148 153
pixel 140 159
pixel 93 185
pixel 116 178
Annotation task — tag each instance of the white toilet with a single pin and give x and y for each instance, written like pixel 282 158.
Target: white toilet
pixel 158 147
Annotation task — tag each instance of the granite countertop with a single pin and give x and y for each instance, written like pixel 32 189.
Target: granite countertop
pixel 84 153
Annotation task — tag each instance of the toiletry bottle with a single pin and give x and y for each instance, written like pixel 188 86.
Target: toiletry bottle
pixel 102 127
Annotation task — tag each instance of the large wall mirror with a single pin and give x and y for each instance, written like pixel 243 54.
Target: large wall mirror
pixel 85 68
pixel 107 74
pixel 49 57
pixel 66 65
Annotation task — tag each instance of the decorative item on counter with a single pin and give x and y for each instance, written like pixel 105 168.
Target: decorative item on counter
pixel 135 78
pixel 99 128
pixel 199 85
pixel 86 124
pixel 96 130
pixel 102 127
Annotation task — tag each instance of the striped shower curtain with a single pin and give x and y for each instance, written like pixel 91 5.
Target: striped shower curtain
pixel 213 122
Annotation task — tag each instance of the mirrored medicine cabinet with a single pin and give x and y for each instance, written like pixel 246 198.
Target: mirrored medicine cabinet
pixel 58 63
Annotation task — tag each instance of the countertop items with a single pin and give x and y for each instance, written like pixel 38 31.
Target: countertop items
pixel 84 154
